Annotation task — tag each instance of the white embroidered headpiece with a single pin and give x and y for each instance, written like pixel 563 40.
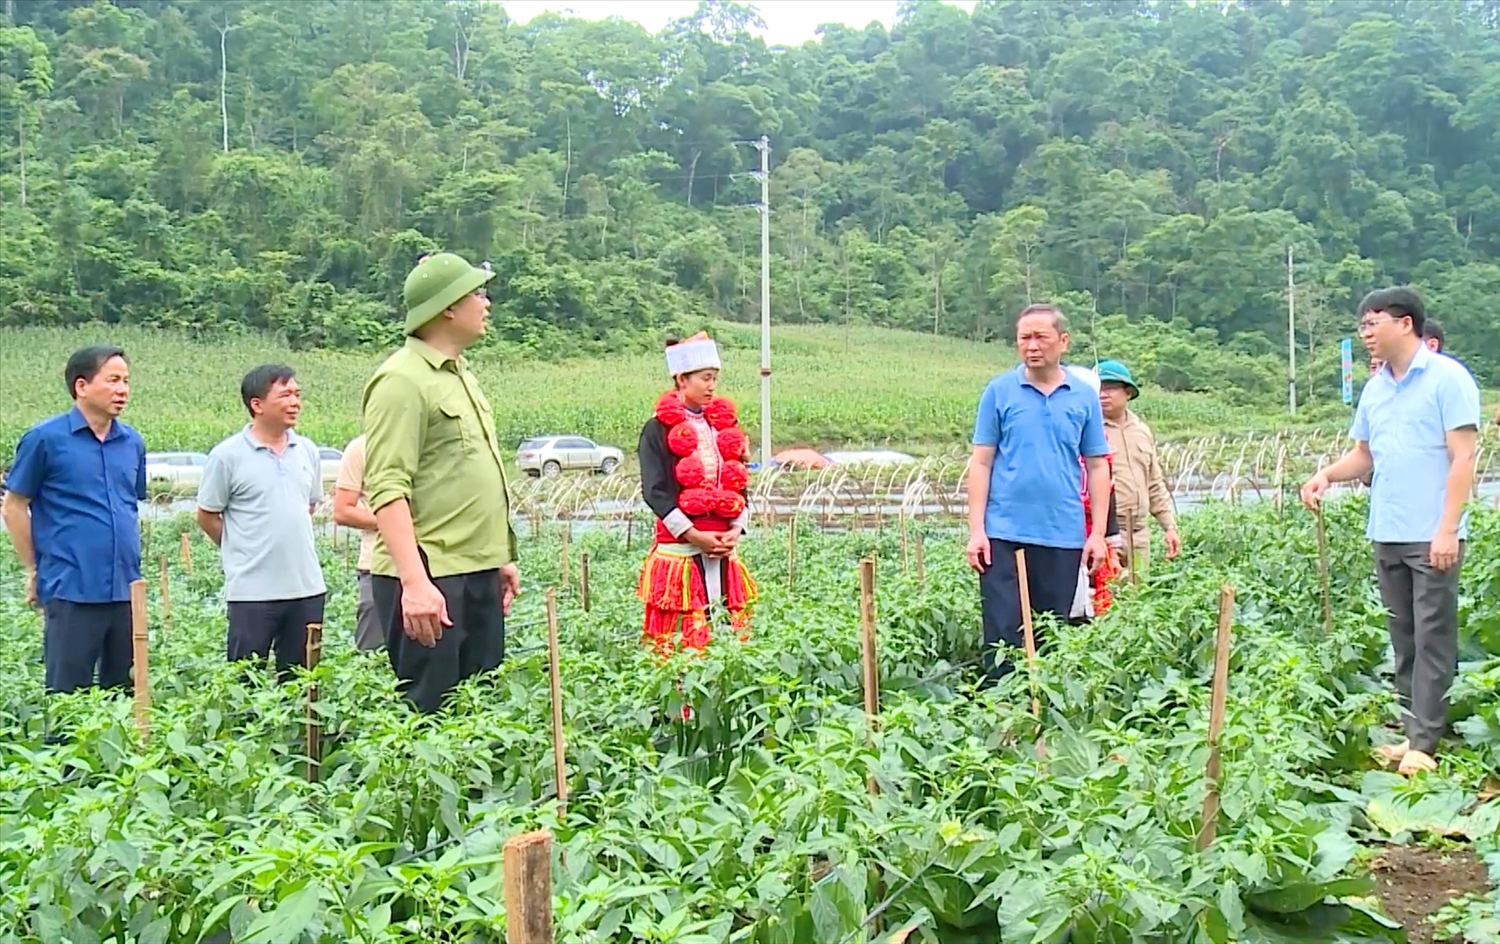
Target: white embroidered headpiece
pixel 698 352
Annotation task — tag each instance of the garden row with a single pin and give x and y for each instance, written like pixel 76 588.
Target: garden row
pixel 753 821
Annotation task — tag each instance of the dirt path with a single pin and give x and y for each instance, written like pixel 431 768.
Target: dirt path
pixel 1415 882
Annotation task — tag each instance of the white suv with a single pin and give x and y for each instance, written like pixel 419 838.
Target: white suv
pixel 549 455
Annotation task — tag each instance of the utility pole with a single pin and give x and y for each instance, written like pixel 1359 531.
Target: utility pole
pixel 1291 335
pixel 764 147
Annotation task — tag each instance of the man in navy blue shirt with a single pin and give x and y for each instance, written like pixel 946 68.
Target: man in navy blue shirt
pixel 1036 430
pixel 72 515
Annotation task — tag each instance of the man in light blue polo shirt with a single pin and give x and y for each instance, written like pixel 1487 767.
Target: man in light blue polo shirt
pixel 1416 426
pixel 1036 429
pixel 256 501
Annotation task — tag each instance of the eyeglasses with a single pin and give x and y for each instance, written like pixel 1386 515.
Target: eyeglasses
pixel 1368 324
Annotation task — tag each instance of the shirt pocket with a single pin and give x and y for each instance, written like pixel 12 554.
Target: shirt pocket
pixel 452 428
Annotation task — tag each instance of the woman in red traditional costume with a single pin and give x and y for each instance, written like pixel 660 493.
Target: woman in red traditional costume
pixel 694 478
pixel 1093 597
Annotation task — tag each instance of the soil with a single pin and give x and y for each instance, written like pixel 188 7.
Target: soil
pixel 1415 882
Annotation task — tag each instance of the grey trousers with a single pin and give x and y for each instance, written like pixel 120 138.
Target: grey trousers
pixel 1422 618
pixel 368 633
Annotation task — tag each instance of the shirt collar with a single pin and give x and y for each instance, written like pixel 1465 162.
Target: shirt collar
pixel 291 439
pixel 435 359
pixel 77 422
pixel 1130 420
pixel 1067 380
pixel 1419 362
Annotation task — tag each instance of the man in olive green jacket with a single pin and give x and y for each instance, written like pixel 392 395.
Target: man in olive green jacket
pixel 444 572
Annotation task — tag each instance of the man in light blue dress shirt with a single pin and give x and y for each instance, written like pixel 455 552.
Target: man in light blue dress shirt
pixel 1416 426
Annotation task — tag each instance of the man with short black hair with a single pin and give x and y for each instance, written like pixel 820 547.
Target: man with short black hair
pixel 72 514
pixel 1037 430
pixel 255 502
pixel 1416 427
pixel 444 571
pixel 1432 335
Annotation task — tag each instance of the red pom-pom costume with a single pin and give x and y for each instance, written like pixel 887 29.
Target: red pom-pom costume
pixel 693 475
pixel 1099 580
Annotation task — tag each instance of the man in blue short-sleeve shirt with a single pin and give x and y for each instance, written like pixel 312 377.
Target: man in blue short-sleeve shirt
pixel 1036 428
pixel 1416 426
pixel 71 511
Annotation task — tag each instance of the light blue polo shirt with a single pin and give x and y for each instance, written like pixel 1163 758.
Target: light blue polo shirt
pixel 268 549
pixel 1036 483
pixel 1406 424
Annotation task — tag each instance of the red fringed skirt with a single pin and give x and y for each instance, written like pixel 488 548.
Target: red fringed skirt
pixel 675 593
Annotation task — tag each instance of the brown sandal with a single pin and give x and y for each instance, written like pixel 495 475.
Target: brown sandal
pixel 1415 761
pixel 1393 753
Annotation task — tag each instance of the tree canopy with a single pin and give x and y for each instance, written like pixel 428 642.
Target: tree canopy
pixel 280 164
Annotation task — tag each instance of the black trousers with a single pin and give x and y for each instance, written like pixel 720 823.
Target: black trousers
pixel 475 642
pixel 77 638
pixel 257 627
pixel 1052 581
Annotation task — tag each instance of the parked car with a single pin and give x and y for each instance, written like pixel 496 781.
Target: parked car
pixel 179 472
pixel 329 460
pixel 550 455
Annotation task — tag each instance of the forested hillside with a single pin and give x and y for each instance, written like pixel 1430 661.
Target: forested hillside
pixel 279 164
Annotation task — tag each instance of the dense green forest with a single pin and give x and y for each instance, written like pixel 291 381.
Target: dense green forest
pixel 279 164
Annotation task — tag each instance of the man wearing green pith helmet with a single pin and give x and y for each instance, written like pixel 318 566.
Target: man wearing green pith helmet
pixel 443 572
pixel 1140 487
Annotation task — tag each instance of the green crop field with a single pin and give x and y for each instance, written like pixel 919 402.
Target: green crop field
pixel 753 821
pixel 865 387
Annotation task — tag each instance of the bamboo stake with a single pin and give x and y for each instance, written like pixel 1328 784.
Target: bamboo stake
pixel 314 732
pixel 1216 717
pixel 1323 570
pixel 871 668
pixel 187 554
pixel 1029 637
pixel 921 562
pixel 583 579
pixel 559 756
pixel 527 873
pixel 1130 547
pixel 166 589
pixel 629 529
pixel 791 551
pixel 567 541
pixel 905 547
pixel 140 649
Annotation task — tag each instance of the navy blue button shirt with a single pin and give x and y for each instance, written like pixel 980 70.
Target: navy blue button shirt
pixel 84 519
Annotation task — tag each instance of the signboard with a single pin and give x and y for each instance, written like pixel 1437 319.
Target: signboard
pixel 1346 355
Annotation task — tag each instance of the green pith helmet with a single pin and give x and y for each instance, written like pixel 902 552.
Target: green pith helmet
pixel 1119 373
pixel 438 283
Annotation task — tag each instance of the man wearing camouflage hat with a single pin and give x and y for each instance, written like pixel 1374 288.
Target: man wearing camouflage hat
pixel 443 572
pixel 1140 487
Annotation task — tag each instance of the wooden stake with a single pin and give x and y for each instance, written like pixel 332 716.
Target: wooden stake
pixel 791 551
pixel 1028 635
pixel 1216 717
pixel 187 554
pixel 567 540
pixel 1130 547
pixel 583 579
pixel 867 645
pixel 559 754
pixel 921 562
pixel 905 548
pixel 140 648
pixel 1323 570
pixel 314 725
pixel 629 529
pixel 528 888
pixel 166 589
pixel 336 535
